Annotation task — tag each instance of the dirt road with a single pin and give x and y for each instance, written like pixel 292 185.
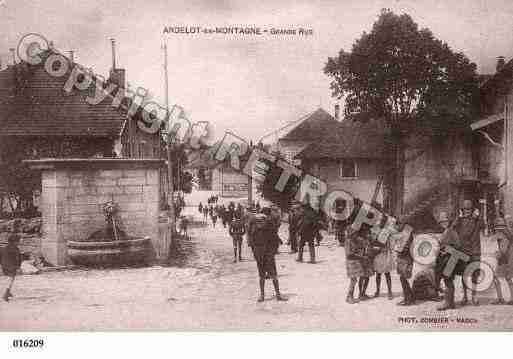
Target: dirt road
pixel 203 289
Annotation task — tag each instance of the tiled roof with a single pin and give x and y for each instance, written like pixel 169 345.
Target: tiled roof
pixel 355 139
pixel 42 107
pixel 318 125
pixel 488 81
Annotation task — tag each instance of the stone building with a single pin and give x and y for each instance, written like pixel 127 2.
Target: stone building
pixel 41 119
pixel 353 163
pixel 494 135
pixel 440 168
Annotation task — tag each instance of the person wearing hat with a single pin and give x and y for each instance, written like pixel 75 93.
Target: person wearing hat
pixel 468 226
pixel 237 230
pixel 403 243
pixel 503 237
pixel 448 239
pixel 11 258
pixel 294 214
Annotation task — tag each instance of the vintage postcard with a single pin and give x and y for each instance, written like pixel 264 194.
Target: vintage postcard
pixel 247 166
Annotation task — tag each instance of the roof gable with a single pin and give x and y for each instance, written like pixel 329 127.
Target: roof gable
pixel 318 125
pixel 355 139
pixel 40 106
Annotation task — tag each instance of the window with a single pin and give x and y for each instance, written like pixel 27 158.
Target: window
pixel 348 168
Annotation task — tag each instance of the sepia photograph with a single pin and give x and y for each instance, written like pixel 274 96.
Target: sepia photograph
pixel 267 166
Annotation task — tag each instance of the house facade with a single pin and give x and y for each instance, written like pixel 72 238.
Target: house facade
pixel 40 119
pixel 440 171
pixel 353 163
pixel 494 137
pixel 228 182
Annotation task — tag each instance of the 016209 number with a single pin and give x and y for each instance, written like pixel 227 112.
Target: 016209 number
pixel 28 343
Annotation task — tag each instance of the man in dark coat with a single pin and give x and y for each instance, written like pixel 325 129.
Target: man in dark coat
pixel 468 226
pixel 11 258
pixel 308 228
pixel 264 245
pixel 448 239
pixel 293 228
pixel 404 260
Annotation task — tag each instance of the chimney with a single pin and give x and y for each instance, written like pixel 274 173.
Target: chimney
pixel 337 112
pixel 500 63
pixel 13 56
pixel 116 76
pixel 113 46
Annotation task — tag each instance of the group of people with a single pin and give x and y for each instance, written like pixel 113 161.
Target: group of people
pixel 464 235
pixel 216 211
pixel 366 256
pixel 305 226
pixel 261 227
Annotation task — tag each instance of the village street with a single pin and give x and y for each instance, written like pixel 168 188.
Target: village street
pixel 203 289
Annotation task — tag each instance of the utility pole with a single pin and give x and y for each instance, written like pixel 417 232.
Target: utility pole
pixel 170 196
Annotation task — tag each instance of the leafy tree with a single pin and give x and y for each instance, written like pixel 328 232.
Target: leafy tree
pixel 410 80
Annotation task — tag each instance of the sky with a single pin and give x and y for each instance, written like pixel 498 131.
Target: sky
pixel 248 84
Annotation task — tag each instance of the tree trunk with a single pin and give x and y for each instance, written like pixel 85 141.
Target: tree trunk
pixel 394 174
pixel 400 170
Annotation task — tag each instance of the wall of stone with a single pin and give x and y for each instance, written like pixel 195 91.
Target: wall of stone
pixel 430 165
pixel 72 200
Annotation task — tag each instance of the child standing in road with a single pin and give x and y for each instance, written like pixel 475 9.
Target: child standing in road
pixel 237 231
pixel 355 260
pixel 504 260
pixel 11 258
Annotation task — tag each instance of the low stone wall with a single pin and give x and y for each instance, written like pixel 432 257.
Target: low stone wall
pixel 74 191
pixel 30 242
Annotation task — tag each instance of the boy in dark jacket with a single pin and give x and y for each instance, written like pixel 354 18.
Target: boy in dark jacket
pixel 11 259
pixel 264 244
pixel 237 231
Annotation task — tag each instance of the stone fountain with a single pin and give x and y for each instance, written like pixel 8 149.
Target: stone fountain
pixel 83 202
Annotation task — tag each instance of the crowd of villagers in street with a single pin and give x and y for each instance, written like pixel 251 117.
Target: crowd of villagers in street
pixel 367 256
